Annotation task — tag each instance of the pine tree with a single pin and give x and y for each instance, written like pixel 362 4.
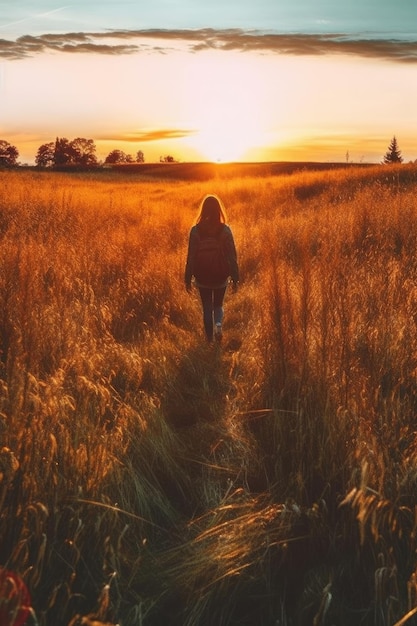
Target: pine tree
pixel 393 154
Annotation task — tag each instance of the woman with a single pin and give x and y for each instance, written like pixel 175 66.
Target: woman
pixel 211 261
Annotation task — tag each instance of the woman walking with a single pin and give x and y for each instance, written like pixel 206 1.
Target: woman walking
pixel 211 261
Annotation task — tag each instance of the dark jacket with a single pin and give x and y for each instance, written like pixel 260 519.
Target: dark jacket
pixel 229 248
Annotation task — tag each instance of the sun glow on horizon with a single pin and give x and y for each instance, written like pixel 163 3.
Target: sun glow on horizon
pixel 226 108
pixel 224 142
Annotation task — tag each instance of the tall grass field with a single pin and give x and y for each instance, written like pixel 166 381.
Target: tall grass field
pixel 149 479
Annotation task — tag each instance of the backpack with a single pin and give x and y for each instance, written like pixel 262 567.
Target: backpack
pixel 210 264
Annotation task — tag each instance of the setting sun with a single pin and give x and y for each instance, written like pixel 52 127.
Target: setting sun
pixel 225 110
pixel 225 140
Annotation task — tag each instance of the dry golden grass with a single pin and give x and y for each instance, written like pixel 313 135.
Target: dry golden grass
pixel 148 479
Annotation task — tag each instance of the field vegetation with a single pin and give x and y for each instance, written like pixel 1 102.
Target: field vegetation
pixel 147 478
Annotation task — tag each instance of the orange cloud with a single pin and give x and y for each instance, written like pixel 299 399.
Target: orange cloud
pixel 149 135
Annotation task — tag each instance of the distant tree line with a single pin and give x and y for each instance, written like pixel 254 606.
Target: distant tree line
pixel 79 152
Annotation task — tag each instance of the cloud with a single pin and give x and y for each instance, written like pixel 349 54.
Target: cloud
pixel 149 135
pixel 29 45
pixel 122 42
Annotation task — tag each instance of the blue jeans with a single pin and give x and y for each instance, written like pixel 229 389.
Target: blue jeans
pixel 212 301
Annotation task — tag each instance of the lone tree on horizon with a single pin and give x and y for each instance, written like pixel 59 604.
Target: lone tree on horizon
pixel 8 154
pixel 393 154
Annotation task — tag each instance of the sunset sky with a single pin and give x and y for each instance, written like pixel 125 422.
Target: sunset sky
pixel 264 80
